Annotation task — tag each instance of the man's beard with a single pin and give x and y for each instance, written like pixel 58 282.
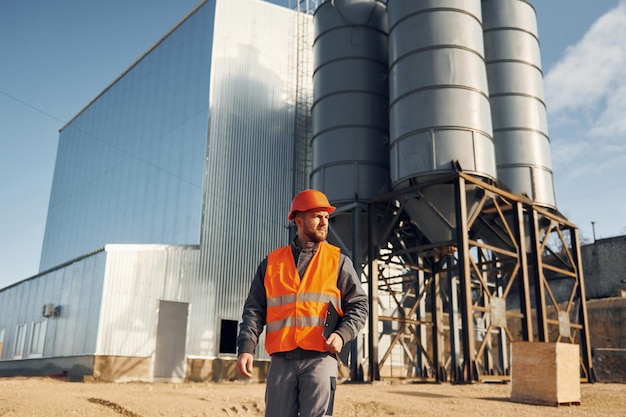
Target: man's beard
pixel 316 235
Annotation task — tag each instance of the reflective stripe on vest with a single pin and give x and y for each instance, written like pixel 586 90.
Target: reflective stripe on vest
pixel 296 307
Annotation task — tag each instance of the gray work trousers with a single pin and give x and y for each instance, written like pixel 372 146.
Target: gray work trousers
pixel 301 386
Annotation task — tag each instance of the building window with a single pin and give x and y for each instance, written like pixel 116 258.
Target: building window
pixel 228 336
pixel 20 337
pixel 37 339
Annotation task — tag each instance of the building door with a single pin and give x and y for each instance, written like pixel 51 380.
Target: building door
pixel 169 355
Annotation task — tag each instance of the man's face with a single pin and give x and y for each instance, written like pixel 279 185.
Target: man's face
pixel 313 225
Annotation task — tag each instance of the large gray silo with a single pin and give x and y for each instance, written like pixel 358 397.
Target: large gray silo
pixel 439 105
pixel 517 100
pixel 350 143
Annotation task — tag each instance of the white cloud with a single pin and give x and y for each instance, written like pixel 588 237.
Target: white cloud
pixel 592 73
pixel 586 99
pixel 611 123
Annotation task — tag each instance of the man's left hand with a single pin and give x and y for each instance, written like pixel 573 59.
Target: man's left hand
pixel 334 343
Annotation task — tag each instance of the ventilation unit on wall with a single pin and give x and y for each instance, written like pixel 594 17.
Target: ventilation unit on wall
pixel 50 310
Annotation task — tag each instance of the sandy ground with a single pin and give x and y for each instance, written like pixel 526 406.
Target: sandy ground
pixel 49 397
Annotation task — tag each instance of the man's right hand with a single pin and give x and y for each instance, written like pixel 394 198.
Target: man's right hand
pixel 244 364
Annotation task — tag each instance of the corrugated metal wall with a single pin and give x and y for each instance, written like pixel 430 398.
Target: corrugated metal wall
pixel 76 289
pixel 110 300
pixel 248 189
pixel 129 167
pixel 249 168
pixel 137 277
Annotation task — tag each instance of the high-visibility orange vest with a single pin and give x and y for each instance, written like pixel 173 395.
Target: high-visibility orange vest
pixel 297 306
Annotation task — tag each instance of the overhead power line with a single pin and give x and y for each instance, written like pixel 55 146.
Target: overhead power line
pixel 31 106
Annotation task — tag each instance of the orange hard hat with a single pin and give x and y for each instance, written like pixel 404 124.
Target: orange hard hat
pixel 308 200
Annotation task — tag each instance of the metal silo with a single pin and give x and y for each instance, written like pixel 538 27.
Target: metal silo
pixel 439 106
pixel 350 154
pixel 517 99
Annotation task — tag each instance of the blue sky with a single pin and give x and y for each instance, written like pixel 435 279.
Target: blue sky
pixel 56 56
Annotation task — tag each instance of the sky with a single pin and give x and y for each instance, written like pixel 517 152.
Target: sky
pixel 57 56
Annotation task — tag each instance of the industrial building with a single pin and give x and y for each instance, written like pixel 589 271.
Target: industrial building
pixel 424 123
pixel 169 188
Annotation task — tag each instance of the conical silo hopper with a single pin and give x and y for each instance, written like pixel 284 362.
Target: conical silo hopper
pixel 518 109
pixel 439 105
pixel 350 112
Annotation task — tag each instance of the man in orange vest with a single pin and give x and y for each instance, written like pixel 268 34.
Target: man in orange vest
pixel 294 289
